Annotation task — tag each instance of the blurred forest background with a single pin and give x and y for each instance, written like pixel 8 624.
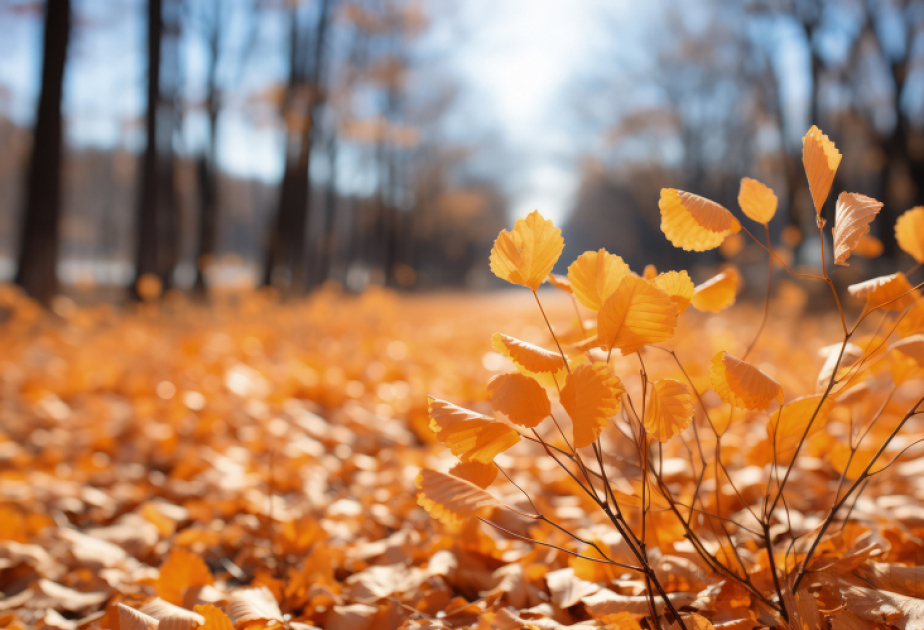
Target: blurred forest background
pixel 196 144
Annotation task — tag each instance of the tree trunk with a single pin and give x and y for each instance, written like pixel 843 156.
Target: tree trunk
pixel 38 255
pixel 146 255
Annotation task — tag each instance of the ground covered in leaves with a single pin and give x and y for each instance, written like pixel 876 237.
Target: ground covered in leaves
pixel 253 465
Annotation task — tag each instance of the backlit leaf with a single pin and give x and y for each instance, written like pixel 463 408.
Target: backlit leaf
pixel 594 277
pixel 482 475
pixel 520 397
pixel 821 159
pixel 787 426
pixel 635 315
pixel 694 223
pixel 527 254
pixel 450 499
pixel 741 384
pixel 893 292
pixel 528 356
pixel 591 396
pixel 469 435
pixel 670 409
pixel 909 232
pixel 853 214
pixel 678 286
pixel 717 293
pixel 757 201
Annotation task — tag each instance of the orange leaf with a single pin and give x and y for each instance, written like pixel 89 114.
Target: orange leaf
pixel 787 426
pixel 909 232
pixel 528 356
pixel 869 247
pixel 181 571
pixel 741 384
pixel 527 254
pixel 560 282
pixel 214 618
pixel 893 293
pixel 853 214
pixel 482 475
pixel 912 347
pixel 594 277
pixel 591 396
pixel 469 435
pixel 678 286
pixel 521 398
pixel 635 315
pixel 757 201
pixel 694 223
pixel 717 293
pixel 821 159
pixel 450 499
pixel 669 410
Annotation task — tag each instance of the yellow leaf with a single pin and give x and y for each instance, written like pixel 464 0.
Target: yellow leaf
pixel 636 314
pixel 717 293
pixel 893 293
pixel 787 426
pixel 694 223
pixel 853 214
pixel 594 277
pixel 469 435
pixel 527 356
pixel 757 201
pixel 852 466
pixel 741 384
pixel 527 254
pixel 909 232
pixel 450 499
pixel 678 286
pixel 591 396
pixel 482 475
pixel 821 159
pixel 669 410
pixel 520 397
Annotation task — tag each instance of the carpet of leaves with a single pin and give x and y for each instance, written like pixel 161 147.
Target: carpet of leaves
pixel 252 465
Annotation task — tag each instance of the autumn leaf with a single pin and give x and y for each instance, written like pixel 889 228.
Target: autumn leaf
pixel 594 277
pixel 678 287
pixel 854 212
pixel 821 159
pixel 741 384
pixel 893 292
pixel 469 435
pixel 482 475
pixel 520 397
pixel 717 293
pixel 450 499
pixel 591 396
pixel 909 232
pixel 694 223
pixel 757 201
pixel 214 618
pixel 527 356
pixel 670 409
pixel 787 426
pixel 635 315
pixel 527 254
pixel 181 571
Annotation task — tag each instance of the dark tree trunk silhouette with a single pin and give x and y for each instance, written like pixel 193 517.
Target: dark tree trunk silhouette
pixel 38 255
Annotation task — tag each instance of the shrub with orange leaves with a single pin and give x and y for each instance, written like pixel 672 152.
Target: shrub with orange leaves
pixel 622 451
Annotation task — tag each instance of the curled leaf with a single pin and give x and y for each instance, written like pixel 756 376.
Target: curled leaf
pixel 893 292
pixel 594 277
pixel 591 396
pixel 637 314
pixel 757 201
pixel 853 214
pixel 694 223
pixel 450 499
pixel 131 619
pixel 521 398
pixel 253 604
pixel 717 293
pixel 821 159
pixel 527 254
pixel 741 384
pixel 469 435
pixel 527 356
pixel 670 409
